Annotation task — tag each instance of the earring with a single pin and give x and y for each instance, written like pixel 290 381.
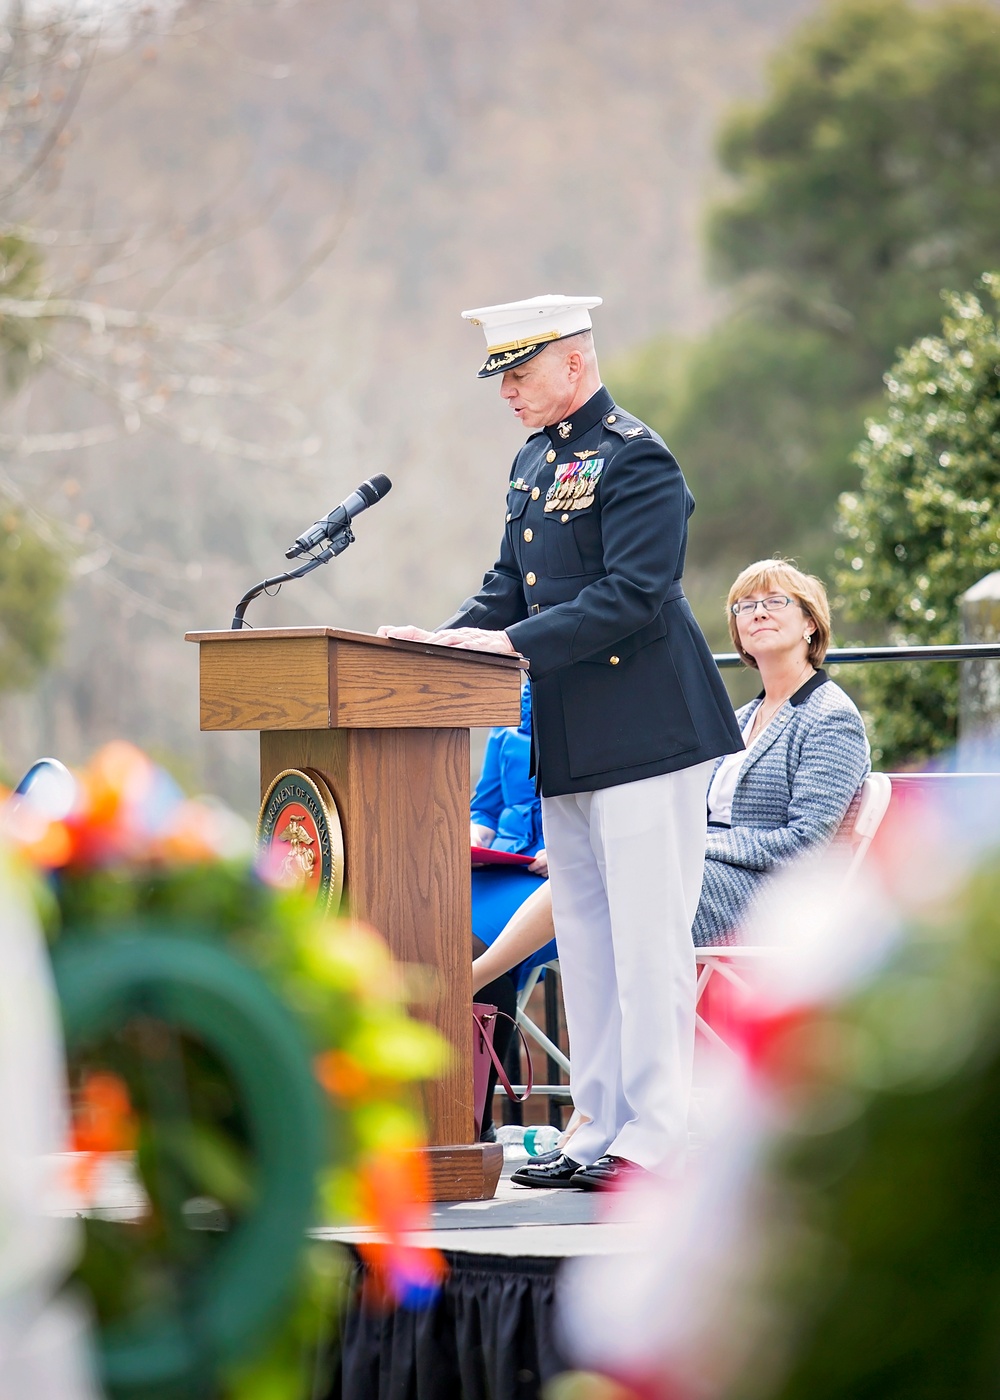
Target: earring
pixel 807 637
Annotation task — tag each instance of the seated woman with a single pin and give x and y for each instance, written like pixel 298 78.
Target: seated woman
pixel 506 816
pixel 806 753
pixel 787 792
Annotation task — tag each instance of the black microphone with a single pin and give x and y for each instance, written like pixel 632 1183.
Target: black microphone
pixel 340 519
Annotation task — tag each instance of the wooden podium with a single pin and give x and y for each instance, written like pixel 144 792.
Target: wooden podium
pixel 386 723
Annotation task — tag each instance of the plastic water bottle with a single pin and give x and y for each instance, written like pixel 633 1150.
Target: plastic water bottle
pixel 533 1141
pixel 541 1139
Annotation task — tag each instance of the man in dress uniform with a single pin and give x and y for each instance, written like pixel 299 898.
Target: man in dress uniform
pixel 628 712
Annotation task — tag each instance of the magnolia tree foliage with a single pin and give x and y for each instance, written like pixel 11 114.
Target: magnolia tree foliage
pixel 32 571
pixel 32 576
pixel 923 525
pixel 867 177
pixel 864 179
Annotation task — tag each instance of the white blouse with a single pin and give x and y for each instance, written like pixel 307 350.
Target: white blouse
pixel 723 786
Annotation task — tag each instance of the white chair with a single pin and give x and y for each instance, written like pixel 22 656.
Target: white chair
pixel 726 959
pixel 876 791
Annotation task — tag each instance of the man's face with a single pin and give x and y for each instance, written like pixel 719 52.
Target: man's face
pixel 540 391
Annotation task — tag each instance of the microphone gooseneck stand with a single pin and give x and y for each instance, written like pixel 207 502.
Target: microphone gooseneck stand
pixel 336 546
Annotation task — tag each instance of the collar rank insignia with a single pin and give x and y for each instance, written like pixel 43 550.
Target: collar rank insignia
pixel 583 456
pixel 574 485
pixel 564 429
pixel 633 432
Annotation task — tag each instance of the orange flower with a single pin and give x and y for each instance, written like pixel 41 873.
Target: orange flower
pixel 342 1076
pixel 190 836
pixel 50 848
pixel 103 1121
pixel 394 1189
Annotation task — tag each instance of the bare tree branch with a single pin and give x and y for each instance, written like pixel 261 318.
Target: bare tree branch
pixel 48 144
pixel 100 318
pixel 210 243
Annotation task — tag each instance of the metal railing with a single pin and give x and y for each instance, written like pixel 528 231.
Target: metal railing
pixel 848 656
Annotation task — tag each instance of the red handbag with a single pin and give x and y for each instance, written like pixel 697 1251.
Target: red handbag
pixel 483 1055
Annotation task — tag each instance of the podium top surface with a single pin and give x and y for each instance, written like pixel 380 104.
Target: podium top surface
pixel 284 678
pixel 340 634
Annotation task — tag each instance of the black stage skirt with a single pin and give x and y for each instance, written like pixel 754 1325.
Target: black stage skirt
pixel 488 1336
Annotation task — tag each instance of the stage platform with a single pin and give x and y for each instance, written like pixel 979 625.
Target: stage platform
pixel 519 1222
pixel 492 1331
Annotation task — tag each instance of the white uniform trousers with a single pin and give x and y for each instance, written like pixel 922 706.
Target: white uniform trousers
pixel 625 869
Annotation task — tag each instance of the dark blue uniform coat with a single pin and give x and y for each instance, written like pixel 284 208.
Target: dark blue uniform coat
pixel 623 684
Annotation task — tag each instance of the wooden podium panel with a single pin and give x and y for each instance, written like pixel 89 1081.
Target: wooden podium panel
pixel 386 724
pixel 403 796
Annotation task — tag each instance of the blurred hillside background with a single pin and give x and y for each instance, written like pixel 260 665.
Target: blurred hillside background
pixel 243 235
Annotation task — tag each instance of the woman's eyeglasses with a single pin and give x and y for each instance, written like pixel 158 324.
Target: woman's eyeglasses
pixel 749 605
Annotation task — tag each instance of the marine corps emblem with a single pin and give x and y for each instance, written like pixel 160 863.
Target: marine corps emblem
pixel 299 836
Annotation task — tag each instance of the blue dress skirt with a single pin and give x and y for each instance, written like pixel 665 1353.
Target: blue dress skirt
pixel 506 802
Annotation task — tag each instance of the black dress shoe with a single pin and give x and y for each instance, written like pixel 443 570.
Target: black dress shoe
pixel 561 1172
pixel 544 1157
pixel 607 1173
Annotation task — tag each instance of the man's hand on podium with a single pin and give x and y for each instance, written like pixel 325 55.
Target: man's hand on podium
pixel 469 638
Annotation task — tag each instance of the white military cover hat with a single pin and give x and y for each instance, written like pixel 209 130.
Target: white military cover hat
pixel 519 330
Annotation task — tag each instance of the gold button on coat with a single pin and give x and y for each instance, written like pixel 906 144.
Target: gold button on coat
pixel 564 518
pixel 550 456
pixel 535 493
pixel 509 517
pixel 611 418
pixel 614 660
pixel 530 580
pixel 529 535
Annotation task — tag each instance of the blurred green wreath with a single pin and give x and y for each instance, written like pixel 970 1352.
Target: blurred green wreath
pixel 253 1061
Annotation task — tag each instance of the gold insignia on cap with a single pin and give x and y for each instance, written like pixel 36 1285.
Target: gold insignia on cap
pixel 564 429
pixel 550 456
pixel 524 344
pixel 496 362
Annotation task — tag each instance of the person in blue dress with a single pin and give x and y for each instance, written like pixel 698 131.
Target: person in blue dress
pixel 506 815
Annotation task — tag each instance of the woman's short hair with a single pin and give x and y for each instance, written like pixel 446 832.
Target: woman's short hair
pixel 781 576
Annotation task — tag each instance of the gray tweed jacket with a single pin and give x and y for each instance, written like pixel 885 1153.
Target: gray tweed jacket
pixel 793 793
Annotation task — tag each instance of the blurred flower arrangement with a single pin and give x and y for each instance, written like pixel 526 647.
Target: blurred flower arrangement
pixel 838 1234
pixel 132 852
